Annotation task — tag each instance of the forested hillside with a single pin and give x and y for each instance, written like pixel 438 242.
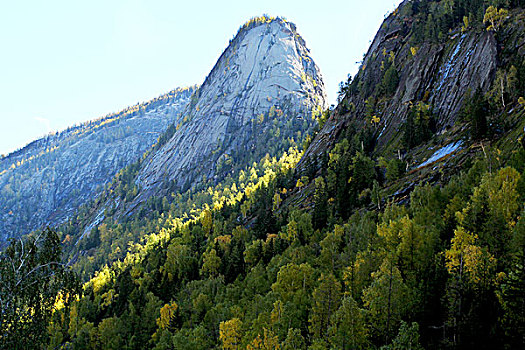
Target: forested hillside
pixel 45 182
pixel 259 103
pixel 400 226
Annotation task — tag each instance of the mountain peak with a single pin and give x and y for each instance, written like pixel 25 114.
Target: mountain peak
pixel 264 80
pixel 262 26
pixel 259 20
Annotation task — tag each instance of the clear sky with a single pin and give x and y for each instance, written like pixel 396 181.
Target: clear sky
pixel 68 61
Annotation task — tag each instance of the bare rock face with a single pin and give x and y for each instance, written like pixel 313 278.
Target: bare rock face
pixel 471 65
pixel 438 74
pixel 442 75
pixel 46 181
pixel 265 83
pixel 262 96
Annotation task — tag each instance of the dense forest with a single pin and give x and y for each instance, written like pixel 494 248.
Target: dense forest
pixel 363 246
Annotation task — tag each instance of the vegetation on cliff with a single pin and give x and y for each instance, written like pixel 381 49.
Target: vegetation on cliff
pixel 415 241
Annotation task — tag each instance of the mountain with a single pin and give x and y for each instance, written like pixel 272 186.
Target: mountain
pixel 438 73
pixel 252 114
pixel 401 226
pixel 264 88
pixel 264 95
pixel 44 182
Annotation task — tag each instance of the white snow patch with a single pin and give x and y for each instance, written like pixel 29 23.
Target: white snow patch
pixel 381 133
pixel 441 153
pixel 445 71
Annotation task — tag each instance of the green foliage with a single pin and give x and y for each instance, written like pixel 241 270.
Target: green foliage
pixel 390 81
pixel 418 126
pixel 504 86
pixel 435 19
pixel 294 340
pixel 34 283
pixel 387 299
pixel 110 333
pixel 407 338
pixel 344 89
pixel 293 279
pixel 395 168
pixel 320 212
pixel 326 298
pixel 494 18
pixel 511 296
pixel 307 281
pixel 349 329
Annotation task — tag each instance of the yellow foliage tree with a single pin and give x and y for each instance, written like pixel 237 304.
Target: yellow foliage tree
pixel 495 18
pixel 268 342
pixel 207 222
pixel 167 313
pixel 276 201
pixel 521 101
pixel 465 25
pixel 375 120
pixel 503 197
pixel 466 259
pixel 230 334
pixel 277 312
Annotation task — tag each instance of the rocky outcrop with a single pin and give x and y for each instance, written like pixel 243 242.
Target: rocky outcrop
pixel 264 85
pixel 46 181
pixel 262 96
pixel 438 74
pixel 442 76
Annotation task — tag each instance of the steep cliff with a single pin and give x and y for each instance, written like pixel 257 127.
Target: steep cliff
pixel 258 104
pixel 437 72
pixel 46 181
pixel 356 247
pixel 264 90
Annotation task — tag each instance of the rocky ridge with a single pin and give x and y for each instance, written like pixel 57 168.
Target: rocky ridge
pixel 439 74
pixel 47 180
pixel 264 88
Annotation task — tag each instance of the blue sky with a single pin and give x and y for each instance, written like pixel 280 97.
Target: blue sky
pixel 65 62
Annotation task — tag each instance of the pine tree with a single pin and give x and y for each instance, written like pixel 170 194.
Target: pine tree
pixel 406 339
pixel 326 299
pixel 387 299
pixel 475 111
pixel 320 212
pixel 349 329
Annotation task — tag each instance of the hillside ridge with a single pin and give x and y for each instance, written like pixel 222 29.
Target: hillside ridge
pixel 44 182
